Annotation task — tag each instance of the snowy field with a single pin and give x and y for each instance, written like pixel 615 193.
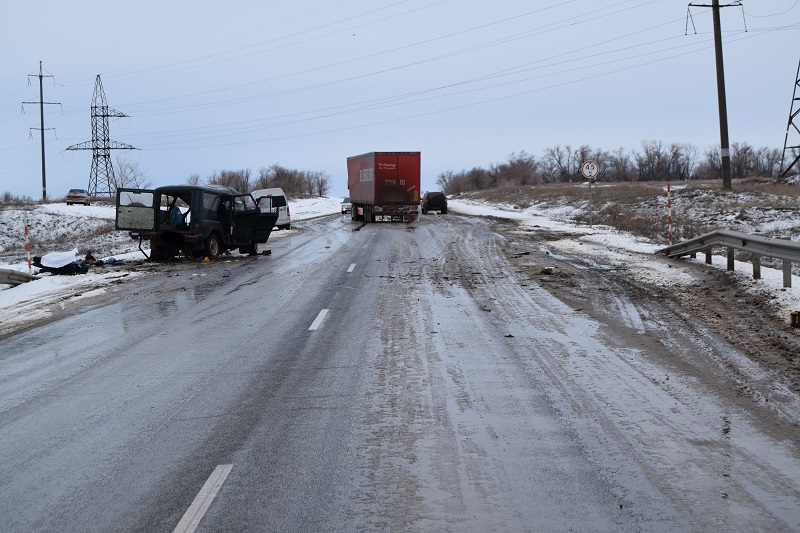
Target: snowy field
pixel 91 228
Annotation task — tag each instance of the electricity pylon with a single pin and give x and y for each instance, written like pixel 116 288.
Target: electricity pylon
pixel 793 112
pixel 101 177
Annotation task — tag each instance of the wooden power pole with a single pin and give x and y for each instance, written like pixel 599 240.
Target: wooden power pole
pixel 725 150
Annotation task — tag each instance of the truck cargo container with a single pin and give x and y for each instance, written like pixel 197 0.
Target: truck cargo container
pixel 384 186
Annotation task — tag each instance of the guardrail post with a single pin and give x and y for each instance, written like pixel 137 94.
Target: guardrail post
pixel 730 258
pixel 787 273
pixel 708 256
pixel 756 266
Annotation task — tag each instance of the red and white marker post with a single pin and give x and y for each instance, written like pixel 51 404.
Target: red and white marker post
pixel 27 239
pixel 669 212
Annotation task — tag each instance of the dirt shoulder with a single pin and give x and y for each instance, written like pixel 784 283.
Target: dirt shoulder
pixel 704 299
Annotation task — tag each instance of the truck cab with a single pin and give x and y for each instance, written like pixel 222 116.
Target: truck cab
pixel 201 221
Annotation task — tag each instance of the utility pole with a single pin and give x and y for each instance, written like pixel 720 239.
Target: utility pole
pixel 725 151
pixel 41 128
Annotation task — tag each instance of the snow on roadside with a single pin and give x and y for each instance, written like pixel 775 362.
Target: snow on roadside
pixel 38 299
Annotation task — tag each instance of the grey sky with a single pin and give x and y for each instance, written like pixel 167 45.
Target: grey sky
pixel 215 85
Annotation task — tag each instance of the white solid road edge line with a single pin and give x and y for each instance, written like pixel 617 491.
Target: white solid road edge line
pixel 196 511
pixel 352 267
pixel 318 320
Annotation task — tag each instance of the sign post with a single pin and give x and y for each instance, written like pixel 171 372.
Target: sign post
pixel 590 170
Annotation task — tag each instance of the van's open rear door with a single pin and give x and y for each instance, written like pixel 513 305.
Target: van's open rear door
pixel 137 210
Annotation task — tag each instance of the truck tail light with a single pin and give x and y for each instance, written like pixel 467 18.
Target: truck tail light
pixel 197 227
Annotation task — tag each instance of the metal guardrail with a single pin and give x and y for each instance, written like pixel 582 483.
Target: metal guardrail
pixel 15 277
pixel 788 251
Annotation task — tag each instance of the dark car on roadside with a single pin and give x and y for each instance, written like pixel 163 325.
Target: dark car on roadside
pixel 434 201
pixel 77 196
pixel 193 220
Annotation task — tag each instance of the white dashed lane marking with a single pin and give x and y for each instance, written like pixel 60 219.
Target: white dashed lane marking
pixel 196 511
pixel 318 320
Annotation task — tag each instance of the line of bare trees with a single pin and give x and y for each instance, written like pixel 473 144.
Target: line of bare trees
pixel 656 161
pixel 293 182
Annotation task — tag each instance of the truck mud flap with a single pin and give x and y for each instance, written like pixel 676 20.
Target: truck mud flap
pixel 142 249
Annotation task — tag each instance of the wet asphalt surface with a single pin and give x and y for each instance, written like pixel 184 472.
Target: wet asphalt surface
pixel 396 378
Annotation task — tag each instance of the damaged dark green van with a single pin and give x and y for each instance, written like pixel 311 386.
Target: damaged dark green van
pixel 193 220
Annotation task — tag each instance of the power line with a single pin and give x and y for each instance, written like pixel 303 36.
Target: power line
pixel 775 14
pixel 555 26
pixel 382 103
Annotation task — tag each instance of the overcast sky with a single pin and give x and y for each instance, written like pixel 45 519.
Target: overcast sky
pixel 212 85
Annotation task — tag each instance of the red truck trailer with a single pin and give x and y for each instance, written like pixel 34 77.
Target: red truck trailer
pixel 384 186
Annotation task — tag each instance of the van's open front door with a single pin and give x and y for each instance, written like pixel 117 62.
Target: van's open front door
pixel 137 210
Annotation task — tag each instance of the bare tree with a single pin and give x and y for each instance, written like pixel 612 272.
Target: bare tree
pixel 445 180
pixel 476 178
pixel 128 174
pixel 558 162
pixel 581 154
pixel 306 180
pixel 520 169
pixel 194 179
pixel 317 182
pixel 235 179
pixel 262 182
pixel 620 166
pixel 287 179
pixel 768 161
pixel 711 166
pixel 742 160
pixel 657 161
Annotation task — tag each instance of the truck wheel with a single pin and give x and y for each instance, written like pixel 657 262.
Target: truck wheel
pixel 212 248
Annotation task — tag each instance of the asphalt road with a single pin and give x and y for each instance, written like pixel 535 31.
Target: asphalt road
pixel 397 378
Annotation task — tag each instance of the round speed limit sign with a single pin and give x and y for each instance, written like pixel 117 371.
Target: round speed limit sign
pixel 590 169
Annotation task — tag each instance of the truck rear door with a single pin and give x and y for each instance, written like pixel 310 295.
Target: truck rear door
pixel 137 210
pixel 397 178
